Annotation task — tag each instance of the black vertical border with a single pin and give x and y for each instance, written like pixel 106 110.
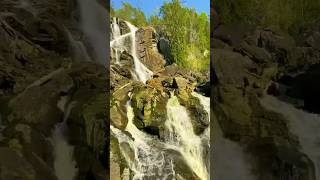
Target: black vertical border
pixel 212 82
pixel 107 35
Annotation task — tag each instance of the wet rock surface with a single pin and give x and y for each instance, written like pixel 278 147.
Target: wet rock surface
pixel 39 67
pixel 149 103
pixel 248 64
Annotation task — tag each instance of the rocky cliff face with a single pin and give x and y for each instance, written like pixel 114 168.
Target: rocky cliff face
pixel 249 63
pixel 147 139
pixel 42 54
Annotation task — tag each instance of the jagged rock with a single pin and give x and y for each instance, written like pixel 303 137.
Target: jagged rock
pixel 164 49
pixel 180 83
pixel 257 54
pixel 199 117
pixel 14 166
pixel 149 106
pixel 37 105
pixel 215 18
pixel 88 119
pixel 37 69
pixel 195 79
pixel 124 29
pixel 147 49
pixel 254 64
pixel 227 34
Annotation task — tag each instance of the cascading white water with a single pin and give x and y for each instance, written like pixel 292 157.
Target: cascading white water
pixel 151 156
pixel 229 159
pixel 183 139
pixel 149 160
pixel 93 18
pixel 141 72
pixel 64 164
pixel 205 137
pixel 115 29
pixel 303 124
pixel 147 156
pixel 79 51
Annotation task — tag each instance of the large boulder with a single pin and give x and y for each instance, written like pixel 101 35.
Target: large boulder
pixel 87 122
pixel 14 166
pixel 37 105
pixel 245 67
pixel 149 105
pixel 147 49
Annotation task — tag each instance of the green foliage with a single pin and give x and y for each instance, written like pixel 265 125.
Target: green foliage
pixel 187 31
pixel 286 15
pixel 189 35
pixel 131 14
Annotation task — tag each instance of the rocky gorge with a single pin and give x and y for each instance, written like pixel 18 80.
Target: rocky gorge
pixel 264 91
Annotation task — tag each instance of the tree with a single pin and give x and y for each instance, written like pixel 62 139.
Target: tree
pixel 187 31
pixel 131 14
pixel 285 15
pixel 189 35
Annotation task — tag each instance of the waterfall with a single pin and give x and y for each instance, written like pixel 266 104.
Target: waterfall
pixel 303 124
pixel 149 157
pixel 93 19
pixel 183 139
pixel 115 29
pixel 141 72
pixel 229 159
pixel 64 164
pixel 149 160
pixel 79 51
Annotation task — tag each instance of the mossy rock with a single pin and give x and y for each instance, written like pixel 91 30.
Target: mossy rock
pixel 88 133
pixel 149 105
pixel 118 116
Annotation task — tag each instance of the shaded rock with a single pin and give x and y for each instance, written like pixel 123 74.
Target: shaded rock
pixel 214 18
pixel 124 29
pixel 259 55
pixel 88 120
pixel 305 87
pixel 14 166
pixel 37 105
pixel 227 34
pixel 164 49
pixel 280 161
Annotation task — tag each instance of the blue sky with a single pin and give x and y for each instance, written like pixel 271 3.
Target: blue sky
pixel 151 6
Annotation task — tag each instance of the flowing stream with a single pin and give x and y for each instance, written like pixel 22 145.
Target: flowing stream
pixel 229 159
pixel 64 164
pixel 148 159
pixel 93 19
pixel 303 124
pixel 147 156
pixel 119 43
pixel 230 162
pixel 183 139
pixel 151 157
